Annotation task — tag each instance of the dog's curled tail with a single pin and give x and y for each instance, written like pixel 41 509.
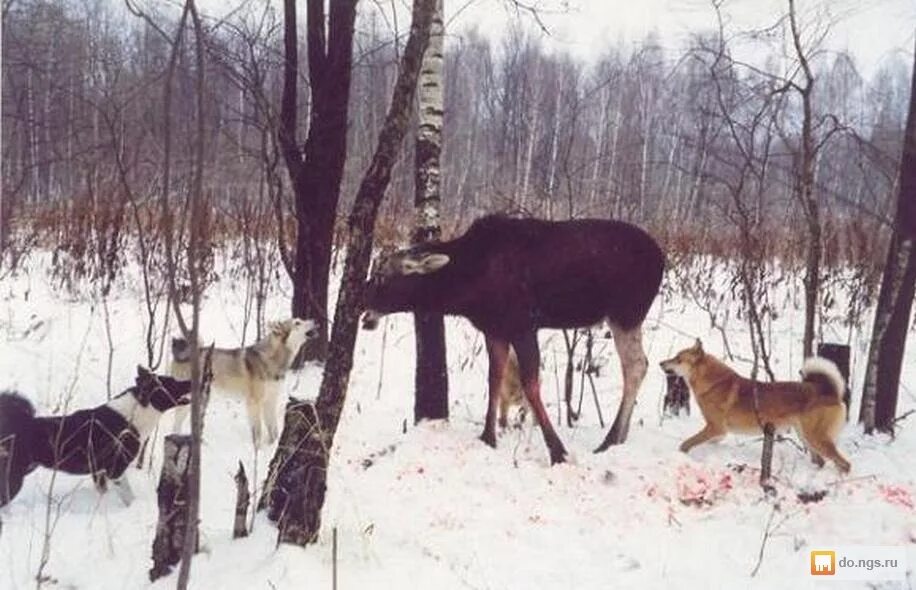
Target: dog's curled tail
pixel 15 412
pixel 181 352
pixel 825 375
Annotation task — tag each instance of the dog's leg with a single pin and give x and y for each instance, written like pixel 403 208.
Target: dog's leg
pixel 498 353
pixel 633 364
pixel 522 414
pixel 815 458
pixel 253 402
pixel 181 414
pixel 827 449
pixel 503 410
pixel 100 479
pixel 819 429
pixel 269 409
pixel 122 487
pixel 708 433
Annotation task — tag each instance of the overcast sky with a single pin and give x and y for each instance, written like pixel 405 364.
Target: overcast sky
pixel 872 30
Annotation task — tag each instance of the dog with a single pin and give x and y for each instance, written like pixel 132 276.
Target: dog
pixel 100 442
pixel 511 392
pixel 253 372
pixel 812 407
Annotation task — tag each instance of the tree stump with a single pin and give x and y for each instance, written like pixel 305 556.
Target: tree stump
pixel 242 499
pixel 173 505
pixel 839 354
pixel 677 396
pixel 296 479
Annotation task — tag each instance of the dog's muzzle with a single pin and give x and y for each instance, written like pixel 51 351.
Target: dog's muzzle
pixel 666 370
pixel 371 319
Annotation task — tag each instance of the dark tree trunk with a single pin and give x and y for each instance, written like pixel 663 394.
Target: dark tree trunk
pixel 893 344
pixel 173 505
pixel 316 170
pixel 895 298
pixel 294 491
pixel 295 429
pixel 839 354
pixel 303 520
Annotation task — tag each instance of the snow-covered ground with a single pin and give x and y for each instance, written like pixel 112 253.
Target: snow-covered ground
pixel 432 506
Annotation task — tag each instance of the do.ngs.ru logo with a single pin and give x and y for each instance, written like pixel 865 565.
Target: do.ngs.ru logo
pixel 860 563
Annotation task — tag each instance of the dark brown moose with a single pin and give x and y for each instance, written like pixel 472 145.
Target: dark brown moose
pixel 510 277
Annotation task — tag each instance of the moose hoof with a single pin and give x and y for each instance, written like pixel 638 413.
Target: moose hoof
pixel 557 457
pixel 489 438
pixel 614 437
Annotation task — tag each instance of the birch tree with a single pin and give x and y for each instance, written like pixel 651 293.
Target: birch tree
pixel 431 377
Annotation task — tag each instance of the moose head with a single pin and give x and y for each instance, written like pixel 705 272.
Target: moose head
pixel 398 281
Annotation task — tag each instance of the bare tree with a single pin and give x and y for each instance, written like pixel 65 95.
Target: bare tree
pixel 316 169
pixel 804 187
pixel 895 299
pixel 194 209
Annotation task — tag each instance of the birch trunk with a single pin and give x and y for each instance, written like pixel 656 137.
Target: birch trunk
pixel 431 374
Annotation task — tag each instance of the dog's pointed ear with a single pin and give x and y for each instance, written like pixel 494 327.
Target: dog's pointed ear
pixel 698 345
pixel 143 373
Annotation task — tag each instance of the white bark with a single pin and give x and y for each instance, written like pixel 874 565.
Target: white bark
pixel 429 135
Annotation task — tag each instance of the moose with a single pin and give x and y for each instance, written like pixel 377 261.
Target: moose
pixel 510 277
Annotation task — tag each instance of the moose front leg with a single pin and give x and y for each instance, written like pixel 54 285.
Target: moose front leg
pixel 529 364
pixel 498 352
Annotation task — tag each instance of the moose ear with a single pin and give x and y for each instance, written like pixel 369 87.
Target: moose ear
pixel 424 264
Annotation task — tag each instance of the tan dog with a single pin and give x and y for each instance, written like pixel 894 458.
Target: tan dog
pixel 253 373
pixel 511 392
pixel 731 403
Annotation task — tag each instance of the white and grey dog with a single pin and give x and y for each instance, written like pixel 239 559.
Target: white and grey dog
pixel 255 372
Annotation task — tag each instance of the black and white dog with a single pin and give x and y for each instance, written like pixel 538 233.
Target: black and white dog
pixel 101 441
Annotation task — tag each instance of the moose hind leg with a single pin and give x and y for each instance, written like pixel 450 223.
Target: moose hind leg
pixel 498 352
pixel 634 365
pixel 526 348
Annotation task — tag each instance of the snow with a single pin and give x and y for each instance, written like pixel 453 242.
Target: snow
pixel 432 506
